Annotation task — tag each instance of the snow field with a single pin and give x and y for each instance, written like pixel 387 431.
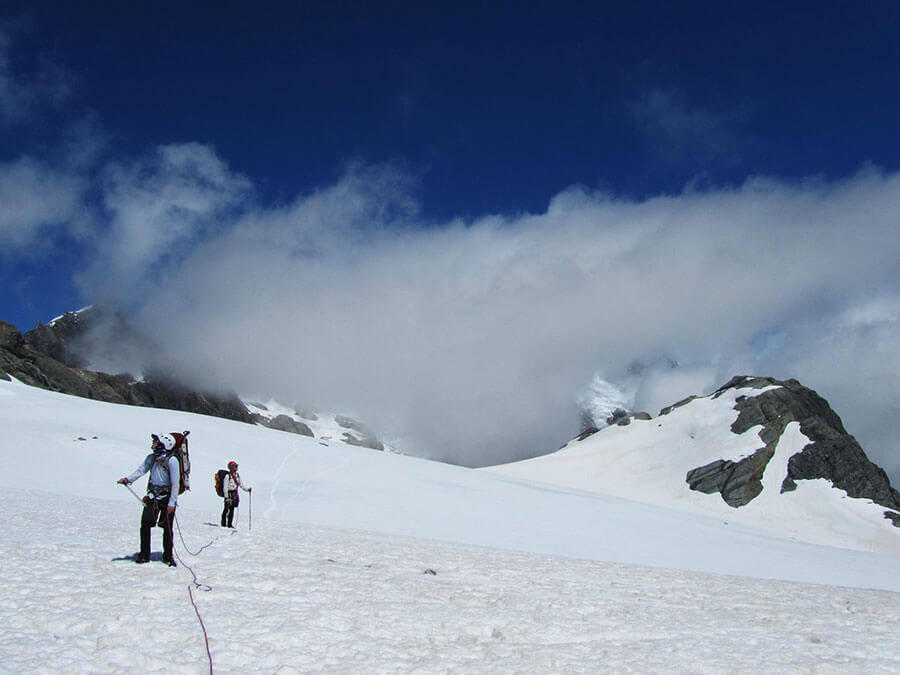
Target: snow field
pixel 529 576
pixel 289 598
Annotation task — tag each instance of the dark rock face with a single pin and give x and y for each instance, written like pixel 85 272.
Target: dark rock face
pixel 47 357
pixel 618 415
pixel 832 453
pixel 350 423
pixel 305 414
pixel 737 482
pixel 363 436
pixel 670 408
pixel 366 442
pixel 285 423
pixel 161 392
pixel 10 338
pixel 53 340
pixel 21 357
pixel 590 431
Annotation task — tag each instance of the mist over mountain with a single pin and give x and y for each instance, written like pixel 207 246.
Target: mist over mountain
pixel 474 340
pixel 52 356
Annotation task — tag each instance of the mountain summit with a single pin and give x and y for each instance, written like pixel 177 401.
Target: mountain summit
pixel 832 454
pixel 758 451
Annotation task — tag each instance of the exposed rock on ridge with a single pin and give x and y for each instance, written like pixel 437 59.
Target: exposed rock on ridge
pixel 49 356
pixel 20 358
pixel 832 454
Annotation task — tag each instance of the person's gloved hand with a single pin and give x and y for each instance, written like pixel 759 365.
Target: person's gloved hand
pixel 171 510
pixel 122 481
pixel 249 489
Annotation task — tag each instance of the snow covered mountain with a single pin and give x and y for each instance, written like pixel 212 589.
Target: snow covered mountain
pixel 325 426
pixel 366 561
pixel 757 452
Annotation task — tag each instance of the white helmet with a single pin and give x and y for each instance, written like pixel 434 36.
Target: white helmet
pixel 167 440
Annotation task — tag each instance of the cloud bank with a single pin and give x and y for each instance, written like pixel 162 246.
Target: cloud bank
pixel 471 341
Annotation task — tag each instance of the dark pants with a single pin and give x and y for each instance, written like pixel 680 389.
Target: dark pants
pixel 156 513
pixel 231 502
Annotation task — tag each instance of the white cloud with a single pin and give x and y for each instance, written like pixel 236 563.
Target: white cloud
pixel 472 340
pixel 40 196
pixel 683 133
pixel 36 201
pixel 158 208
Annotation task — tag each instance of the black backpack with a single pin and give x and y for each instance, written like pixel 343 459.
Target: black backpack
pixel 220 481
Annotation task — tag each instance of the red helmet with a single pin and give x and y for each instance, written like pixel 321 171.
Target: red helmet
pixel 232 465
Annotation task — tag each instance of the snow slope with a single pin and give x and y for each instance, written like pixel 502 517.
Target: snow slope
pixel 332 575
pixel 649 459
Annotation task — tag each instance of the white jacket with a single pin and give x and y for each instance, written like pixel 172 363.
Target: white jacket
pixel 233 482
pixel 161 475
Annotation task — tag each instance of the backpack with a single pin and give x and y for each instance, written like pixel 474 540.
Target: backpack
pixel 184 459
pixel 220 481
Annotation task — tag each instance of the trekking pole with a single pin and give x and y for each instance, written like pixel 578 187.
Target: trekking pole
pixel 132 492
pixel 250 513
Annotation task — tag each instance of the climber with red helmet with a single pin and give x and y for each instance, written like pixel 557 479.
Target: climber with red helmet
pixel 162 494
pixel 230 489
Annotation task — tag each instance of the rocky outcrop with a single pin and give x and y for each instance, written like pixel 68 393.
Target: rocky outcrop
pixel 832 454
pixel 363 437
pixel 165 392
pixel 22 358
pixel 54 339
pixel 305 413
pixel 285 423
pixel 684 401
pixel 48 357
pixel 365 442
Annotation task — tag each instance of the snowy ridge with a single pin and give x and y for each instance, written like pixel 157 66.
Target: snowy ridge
pixel 648 460
pixel 324 426
pixel 56 319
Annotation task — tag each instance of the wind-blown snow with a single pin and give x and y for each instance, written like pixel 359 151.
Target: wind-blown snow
pixel 332 575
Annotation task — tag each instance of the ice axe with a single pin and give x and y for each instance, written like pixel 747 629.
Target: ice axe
pixel 133 492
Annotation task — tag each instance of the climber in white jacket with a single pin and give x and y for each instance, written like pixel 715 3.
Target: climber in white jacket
pixel 230 489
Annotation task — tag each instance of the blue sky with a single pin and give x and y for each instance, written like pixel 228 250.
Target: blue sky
pixel 526 194
pixel 493 108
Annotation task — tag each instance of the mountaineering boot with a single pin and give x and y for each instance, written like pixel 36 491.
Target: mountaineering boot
pixel 169 562
pixel 141 559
